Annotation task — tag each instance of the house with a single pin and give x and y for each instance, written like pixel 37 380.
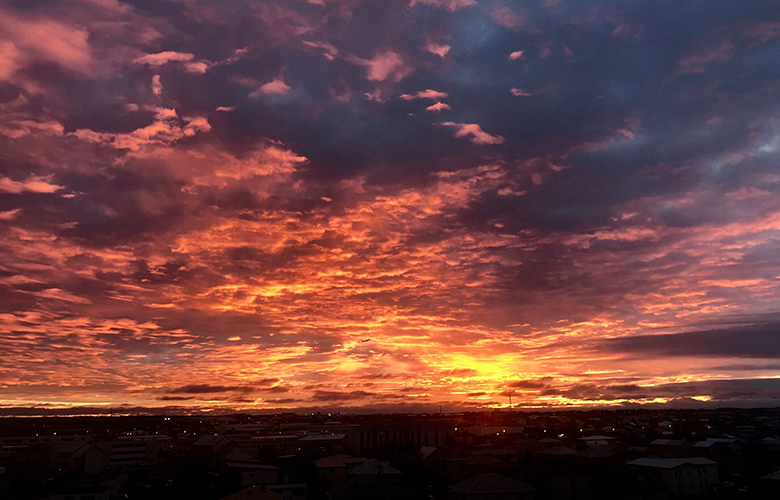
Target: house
pixel 684 476
pixel 252 471
pixel 208 449
pixel 428 455
pixel 491 485
pixel 727 444
pixel 598 440
pixel 323 442
pixel 669 448
pixel 254 493
pixel 71 455
pixel 333 470
pixel 290 491
pixel 372 480
pixel 626 484
pixel 83 493
pixel 558 453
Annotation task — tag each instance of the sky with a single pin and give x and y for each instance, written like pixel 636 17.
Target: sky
pixel 389 204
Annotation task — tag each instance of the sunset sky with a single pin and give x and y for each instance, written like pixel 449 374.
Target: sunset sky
pixel 389 204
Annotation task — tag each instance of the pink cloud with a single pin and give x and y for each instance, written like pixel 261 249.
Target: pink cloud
pixel 514 56
pixel 10 214
pixel 474 133
pixel 697 62
pixel 425 94
pixel 519 93
pixel 508 18
pixel 9 59
pixel 160 58
pixel 451 5
pixel 438 107
pixel 42 39
pixel 167 128
pixel 386 66
pixel 33 183
pixel 157 87
pixel 545 48
pixel 440 50
pixel 274 87
pixel 329 51
pixel 21 125
pixel 762 32
pixel 197 67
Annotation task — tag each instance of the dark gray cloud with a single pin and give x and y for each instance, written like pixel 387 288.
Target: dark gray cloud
pixel 209 389
pixel 758 341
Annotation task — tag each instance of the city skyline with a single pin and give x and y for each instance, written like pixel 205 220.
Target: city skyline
pixel 389 205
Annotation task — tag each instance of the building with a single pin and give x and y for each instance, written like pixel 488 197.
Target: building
pixel 254 493
pixel 285 444
pixel 208 449
pixel 376 435
pixel 332 470
pixel 491 486
pixel 684 476
pixel 372 480
pixel 323 443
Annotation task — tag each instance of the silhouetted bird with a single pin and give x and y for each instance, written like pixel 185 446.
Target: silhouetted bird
pixel 365 340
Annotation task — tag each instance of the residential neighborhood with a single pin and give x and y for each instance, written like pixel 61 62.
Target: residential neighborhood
pixel 506 455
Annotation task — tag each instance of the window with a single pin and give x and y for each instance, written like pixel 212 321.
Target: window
pixel 678 473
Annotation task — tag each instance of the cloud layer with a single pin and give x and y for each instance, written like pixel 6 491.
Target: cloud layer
pixel 388 204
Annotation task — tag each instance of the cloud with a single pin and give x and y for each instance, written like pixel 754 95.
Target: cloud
pixel 10 214
pixel 151 211
pixel 531 384
pixel 697 61
pixel 328 50
pixel 274 87
pixel 425 94
pixel 758 341
pixel 545 48
pixel 209 389
pixel 519 93
pixel 438 107
pixel 161 58
pixel 508 18
pixel 33 184
pixel 514 56
pixel 438 49
pixel 387 65
pixel 474 133
pixel 451 5
pixel 762 31
pixel 157 87
pixel 167 128
pixel 20 125
pixel 41 39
